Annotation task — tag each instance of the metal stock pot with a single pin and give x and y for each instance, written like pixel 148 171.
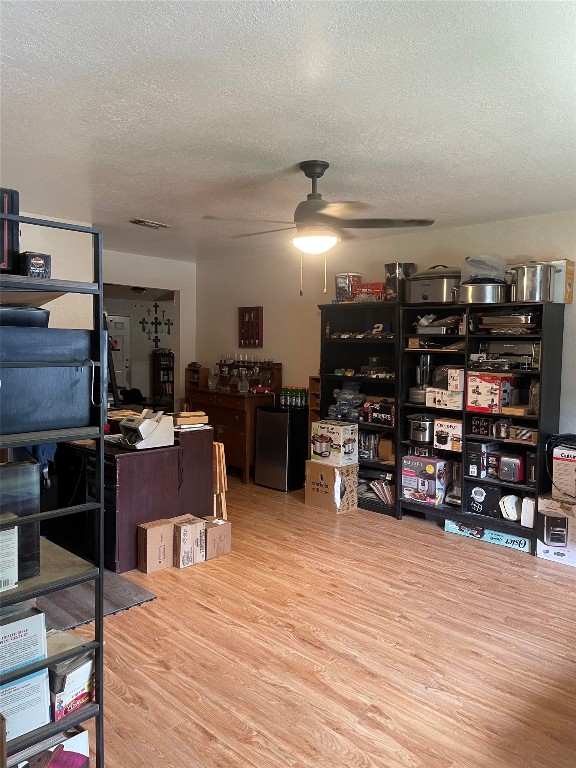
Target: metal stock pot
pixel 533 281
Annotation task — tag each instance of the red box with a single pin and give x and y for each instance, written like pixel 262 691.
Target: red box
pixel 488 392
pixel 369 289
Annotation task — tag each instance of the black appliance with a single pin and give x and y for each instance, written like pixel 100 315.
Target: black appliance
pixel 281 447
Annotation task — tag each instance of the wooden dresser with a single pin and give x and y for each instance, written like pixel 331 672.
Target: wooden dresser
pixel 233 416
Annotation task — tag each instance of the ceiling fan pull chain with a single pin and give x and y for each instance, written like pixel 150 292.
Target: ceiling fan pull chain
pixel 301 274
pixel 325 266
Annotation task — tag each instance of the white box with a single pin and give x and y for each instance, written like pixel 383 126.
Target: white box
pixel 456 379
pixel 448 434
pixel 334 442
pixel 8 558
pixel 556 530
pixel 74 741
pixel 442 398
pixel 24 703
pixel 564 473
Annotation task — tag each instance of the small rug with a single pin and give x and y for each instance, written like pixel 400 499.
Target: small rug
pixel 73 606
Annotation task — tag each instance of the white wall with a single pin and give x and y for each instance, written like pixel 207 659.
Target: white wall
pixel 291 322
pixel 179 276
pixel 71 259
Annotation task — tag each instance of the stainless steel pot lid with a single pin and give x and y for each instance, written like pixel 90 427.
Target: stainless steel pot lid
pixel 437 271
pixel 484 280
pixel 421 417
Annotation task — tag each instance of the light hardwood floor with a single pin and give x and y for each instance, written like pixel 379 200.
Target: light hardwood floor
pixel 351 641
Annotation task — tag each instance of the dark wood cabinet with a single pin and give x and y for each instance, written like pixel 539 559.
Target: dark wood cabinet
pixel 139 486
pixel 233 417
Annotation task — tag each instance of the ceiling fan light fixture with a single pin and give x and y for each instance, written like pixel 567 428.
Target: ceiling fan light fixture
pixel 315 239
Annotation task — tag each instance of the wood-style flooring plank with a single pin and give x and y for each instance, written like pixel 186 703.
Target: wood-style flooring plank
pixel 349 641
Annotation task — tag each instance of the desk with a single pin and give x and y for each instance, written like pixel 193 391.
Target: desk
pixel 139 486
pixel 233 416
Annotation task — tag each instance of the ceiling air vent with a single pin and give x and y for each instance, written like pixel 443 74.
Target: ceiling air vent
pixel 149 224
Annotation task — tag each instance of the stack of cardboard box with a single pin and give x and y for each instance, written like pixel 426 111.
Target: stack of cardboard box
pixel 182 541
pixel 332 472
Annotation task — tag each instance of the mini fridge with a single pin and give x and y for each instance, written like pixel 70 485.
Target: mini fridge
pixel 281 447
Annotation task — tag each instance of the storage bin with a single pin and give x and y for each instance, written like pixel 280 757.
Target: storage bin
pixel 48 397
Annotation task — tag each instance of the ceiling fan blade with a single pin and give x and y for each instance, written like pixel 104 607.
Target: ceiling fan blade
pixel 344 235
pixel 382 223
pixel 344 209
pixel 265 232
pixel 224 218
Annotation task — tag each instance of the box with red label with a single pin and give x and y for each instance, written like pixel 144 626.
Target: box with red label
pixel 488 392
pixel 375 290
pixel 564 473
pixel 425 479
pixel 71 685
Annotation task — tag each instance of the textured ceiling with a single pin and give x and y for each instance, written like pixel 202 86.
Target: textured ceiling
pixel 463 112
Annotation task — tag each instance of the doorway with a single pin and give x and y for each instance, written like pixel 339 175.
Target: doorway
pixel 120 345
pixel 141 320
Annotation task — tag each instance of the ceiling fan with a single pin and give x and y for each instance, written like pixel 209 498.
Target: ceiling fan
pixel 320 224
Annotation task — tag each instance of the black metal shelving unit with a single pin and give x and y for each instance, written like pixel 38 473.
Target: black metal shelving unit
pixel 353 352
pixel 60 569
pixel 549 333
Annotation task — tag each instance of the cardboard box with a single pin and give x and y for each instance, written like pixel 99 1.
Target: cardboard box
pixel 508 540
pixel 564 473
pixel 218 537
pixel 456 379
pixel 8 557
pixel 332 488
pixel 482 499
pixel 448 434
pixel 525 435
pixel 563 291
pixel 426 479
pixel 334 442
pixel 24 703
pixel 155 545
pixel 189 541
pixel 489 392
pixel 556 530
pixel 476 460
pixel 442 398
pixel 72 748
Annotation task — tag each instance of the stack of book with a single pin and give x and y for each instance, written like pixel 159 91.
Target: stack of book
pixel 190 418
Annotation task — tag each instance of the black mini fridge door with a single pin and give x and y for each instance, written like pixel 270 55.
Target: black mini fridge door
pixel 281 448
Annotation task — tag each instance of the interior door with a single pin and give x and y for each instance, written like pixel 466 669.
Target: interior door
pixel 119 332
